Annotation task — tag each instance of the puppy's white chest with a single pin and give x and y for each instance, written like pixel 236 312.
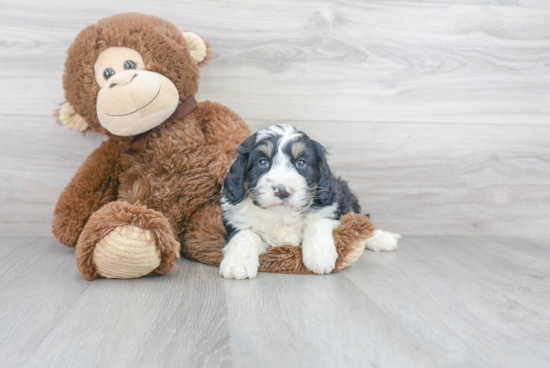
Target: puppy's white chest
pixel 274 226
pixel 280 233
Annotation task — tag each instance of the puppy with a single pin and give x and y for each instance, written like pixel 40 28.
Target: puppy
pixel 280 191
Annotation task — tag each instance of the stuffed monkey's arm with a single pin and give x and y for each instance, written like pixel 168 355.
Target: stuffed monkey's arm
pixel 349 237
pixel 94 185
pixel 224 131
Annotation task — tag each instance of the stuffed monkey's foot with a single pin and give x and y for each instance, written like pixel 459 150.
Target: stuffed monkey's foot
pixel 127 252
pixel 125 241
pixel 349 238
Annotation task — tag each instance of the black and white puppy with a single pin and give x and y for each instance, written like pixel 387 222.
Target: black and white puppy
pixel 280 191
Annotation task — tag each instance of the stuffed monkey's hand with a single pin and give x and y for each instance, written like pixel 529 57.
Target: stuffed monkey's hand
pixel 93 186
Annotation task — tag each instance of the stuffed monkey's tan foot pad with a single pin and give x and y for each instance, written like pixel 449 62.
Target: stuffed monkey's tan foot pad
pixel 355 251
pixel 127 252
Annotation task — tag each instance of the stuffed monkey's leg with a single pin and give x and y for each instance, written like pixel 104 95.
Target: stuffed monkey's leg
pixel 204 236
pixel 126 241
pixel 204 240
pixel 349 238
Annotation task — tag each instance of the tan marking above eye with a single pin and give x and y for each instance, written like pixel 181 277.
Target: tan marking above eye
pixel 266 148
pixel 297 149
pixel 114 58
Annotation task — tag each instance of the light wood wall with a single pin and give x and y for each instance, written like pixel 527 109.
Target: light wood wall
pixel 437 112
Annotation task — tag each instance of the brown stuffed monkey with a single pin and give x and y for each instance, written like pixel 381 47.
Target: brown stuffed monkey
pixel 151 191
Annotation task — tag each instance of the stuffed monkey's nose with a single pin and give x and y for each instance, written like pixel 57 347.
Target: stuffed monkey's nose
pixel 282 192
pixel 122 78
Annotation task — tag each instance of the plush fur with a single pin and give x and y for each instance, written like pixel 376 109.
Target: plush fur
pixel 119 214
pixel 203 243
pixel 159 42
pixel 172 188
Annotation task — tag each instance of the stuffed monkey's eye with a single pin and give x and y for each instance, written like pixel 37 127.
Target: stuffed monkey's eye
pixel 108 73
pixel 263 163
pixel 129 64
pixel 300 164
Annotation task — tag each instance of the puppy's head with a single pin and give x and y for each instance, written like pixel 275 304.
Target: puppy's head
pixel 280 167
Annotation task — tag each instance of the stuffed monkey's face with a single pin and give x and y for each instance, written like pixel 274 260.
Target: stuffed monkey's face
pixel 131 100
pixel 128 73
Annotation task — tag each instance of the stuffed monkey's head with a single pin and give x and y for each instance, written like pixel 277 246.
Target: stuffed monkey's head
pixel 127 74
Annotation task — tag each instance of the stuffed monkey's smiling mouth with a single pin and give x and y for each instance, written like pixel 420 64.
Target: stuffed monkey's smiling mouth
pixel 147 104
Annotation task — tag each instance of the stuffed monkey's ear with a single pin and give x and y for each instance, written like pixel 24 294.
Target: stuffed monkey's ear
pixel 197 47
pixel 70 118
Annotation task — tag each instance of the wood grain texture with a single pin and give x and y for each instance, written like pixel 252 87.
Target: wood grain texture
pixel 38 289
pixel 412 178
pixel 442 104
pixel 443 179
pixel 520 3
pixel 382 60
pixel 51 317
pixel 436 301
pixel 314 321
pixel 439 288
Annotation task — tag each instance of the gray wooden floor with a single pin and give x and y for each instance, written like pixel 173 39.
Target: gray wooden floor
pixel 436 301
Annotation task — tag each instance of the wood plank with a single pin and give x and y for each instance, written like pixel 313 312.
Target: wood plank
pixel 39 286
pixel 478 299
pixel 442 179
pixel 436 301
pixel 517 267
pixel 413 178
pixel 35 167
pixel 317 60
pixel 173 320
pixel 316 321
pixel 518 3
pixel 51 316
pixel 469 63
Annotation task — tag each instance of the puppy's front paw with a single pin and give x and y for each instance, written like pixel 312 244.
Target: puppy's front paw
pixel 320 258
pixel 239 268
pixel 382 241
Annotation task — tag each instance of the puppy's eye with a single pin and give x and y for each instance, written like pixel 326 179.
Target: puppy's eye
pixel 263 163
pixel 108 73
pixel 129 64
pixel 300 164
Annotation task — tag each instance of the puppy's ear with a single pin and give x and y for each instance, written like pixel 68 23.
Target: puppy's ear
pixel 233 186
pixel 325 187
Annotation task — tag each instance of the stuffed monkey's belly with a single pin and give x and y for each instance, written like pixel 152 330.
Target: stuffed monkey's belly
pixel 174 179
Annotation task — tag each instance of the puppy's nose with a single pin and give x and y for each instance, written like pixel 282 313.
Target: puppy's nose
pixel 282 192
